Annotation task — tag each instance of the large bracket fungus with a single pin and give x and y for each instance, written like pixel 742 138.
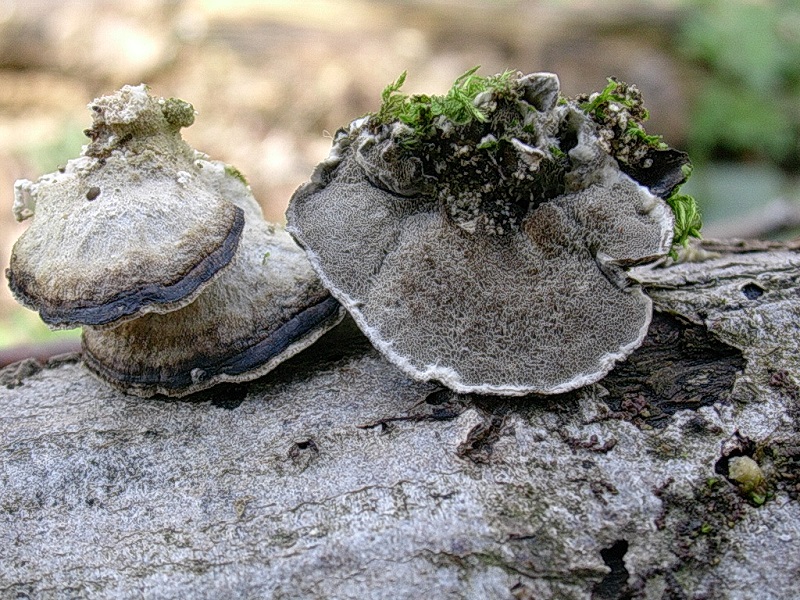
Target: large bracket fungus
pixel 480 238
pixel 164 257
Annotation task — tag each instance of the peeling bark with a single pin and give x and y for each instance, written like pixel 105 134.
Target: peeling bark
pixel 337 477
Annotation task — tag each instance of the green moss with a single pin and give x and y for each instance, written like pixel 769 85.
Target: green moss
pixel 458 105
pixel 635 130
pixel 600 105
pixel 619 108
pixel 177 112
pixel 557 152
pixel 687 218
pixel 232 171
pixel 488 144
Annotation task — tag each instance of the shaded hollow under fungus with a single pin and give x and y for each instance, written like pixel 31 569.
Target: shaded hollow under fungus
pixel 164 257
pixel 480 238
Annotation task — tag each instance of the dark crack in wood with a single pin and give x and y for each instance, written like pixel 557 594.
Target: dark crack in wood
pixel 679 366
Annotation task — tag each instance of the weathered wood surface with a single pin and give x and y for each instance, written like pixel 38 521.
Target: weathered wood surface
pixel 337 477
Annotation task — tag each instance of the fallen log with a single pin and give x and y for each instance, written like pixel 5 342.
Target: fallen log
pixel 335 476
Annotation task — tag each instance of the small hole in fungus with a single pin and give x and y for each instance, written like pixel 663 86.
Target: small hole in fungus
pixel 306 445
pixel 93 193
pixel 752 291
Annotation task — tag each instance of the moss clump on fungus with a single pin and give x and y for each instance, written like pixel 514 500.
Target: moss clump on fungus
pixel 620 114
pixel 458 105
pixel 473 136
pixel 470 140
pixel 619 108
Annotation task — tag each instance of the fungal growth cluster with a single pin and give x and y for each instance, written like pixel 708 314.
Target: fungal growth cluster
pixel 164 258
pixel 480 238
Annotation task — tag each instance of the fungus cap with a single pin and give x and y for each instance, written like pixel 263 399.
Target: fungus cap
pixel 487 254
pixel 264 308
pixel 123 230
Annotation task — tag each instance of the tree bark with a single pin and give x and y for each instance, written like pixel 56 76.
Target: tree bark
pixel 337 477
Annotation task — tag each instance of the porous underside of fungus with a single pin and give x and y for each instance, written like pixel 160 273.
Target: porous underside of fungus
pixel 264 308
pixel 479 238
pixel 124 229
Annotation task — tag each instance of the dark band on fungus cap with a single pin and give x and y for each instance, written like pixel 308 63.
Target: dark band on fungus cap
pixel 321 316
pixel 130 302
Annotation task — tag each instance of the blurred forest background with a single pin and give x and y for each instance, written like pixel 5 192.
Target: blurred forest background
pixel 271 79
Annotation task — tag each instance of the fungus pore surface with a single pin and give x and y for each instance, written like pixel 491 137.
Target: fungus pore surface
pixel 124 229
pixel 480 238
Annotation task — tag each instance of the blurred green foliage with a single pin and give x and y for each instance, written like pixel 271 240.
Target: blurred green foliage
pixel 20 325
pixel 23 326
pixel 47 156
pixel 749 105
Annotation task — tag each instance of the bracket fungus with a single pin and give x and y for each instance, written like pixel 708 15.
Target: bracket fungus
pixel 164 257
pixel 123 230
pixel 264 308
pixel 480 238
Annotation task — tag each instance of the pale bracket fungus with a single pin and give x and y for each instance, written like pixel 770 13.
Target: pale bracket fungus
pixel 157 252
pixel 115 234
pixel 253 317
pixel 480 238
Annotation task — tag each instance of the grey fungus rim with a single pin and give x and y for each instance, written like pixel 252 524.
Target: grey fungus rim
pixel 198 374
pixel 490 256
pixel 267 306
pixel 124 229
